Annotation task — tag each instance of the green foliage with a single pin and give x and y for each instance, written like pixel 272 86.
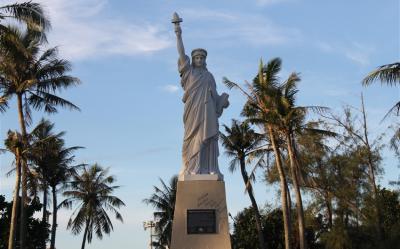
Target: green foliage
pixel 49 156
pixel 163 200
pixel 244 234
pixel 91 191
pixel 30 13
pixel 244 230
pixel 387 74
pixel 37 230
pixel 36 75
pixel 357 230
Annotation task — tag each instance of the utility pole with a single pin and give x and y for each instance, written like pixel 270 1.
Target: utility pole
pixel 149 224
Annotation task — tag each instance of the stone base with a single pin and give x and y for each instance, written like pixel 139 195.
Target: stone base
pixel 200 195
pixel 199 177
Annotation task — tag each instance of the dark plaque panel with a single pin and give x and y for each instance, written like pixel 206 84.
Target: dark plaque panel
pixel 201 221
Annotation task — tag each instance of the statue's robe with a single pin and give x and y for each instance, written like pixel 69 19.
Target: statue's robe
pixel 200 118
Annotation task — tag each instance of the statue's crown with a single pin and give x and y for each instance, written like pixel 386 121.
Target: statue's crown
pixel 199 51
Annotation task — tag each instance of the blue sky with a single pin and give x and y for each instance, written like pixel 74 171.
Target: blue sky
pixel 131 119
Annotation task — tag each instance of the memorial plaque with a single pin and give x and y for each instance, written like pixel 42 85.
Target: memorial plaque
pixel 201 221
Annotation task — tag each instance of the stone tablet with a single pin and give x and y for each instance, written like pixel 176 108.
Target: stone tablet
pixel 201 221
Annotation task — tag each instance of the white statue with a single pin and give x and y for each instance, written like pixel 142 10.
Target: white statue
pixel 202 108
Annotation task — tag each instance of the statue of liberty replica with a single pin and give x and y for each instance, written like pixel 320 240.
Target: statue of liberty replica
pixel 200 217
pixel 203 107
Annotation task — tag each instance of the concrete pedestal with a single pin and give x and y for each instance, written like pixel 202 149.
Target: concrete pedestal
pixel 200 195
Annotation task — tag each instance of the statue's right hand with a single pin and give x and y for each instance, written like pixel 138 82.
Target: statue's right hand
pixel 178 30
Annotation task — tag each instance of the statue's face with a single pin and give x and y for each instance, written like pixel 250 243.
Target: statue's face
pixel 199 61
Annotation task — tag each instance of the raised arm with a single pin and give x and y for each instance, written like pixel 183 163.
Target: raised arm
pixel 179 43
pixel 178 31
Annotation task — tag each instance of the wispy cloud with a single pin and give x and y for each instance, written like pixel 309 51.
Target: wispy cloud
pixel 250 28
pixel 357 52
pixel 270 2
pixel 82 30
pixel 170 88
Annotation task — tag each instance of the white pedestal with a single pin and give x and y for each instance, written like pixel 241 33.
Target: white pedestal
pixel 200 194
pixel 202 177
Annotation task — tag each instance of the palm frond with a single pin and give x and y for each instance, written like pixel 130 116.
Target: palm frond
pixel 30 13
pixel 41 99
pixel 387 74
pixel 394 110
pixel 3 104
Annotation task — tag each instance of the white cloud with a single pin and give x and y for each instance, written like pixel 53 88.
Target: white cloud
pixel 170 88
pixel 270 2
pixel 250 28
pixel 357 52
pixel 82 30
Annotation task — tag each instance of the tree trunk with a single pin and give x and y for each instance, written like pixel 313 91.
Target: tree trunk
pixel 376 200
pixel 371 173
pixel 13 223
pixel 24 172
pixel 289 199
pixel 54 224
pixel 44 214
pixel 257 215
pixel 296 186
pixel 85 234
pixel 328 203
pixel 284 188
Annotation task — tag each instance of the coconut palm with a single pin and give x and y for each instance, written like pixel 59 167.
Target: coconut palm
pixel 91 191
pixel 45 141
pixel 53 167
pixel 261 96
pixel 387 74
pixel 290 123
pixel 243 144
pixel 163 200
pixel 271 104
pixel 30 13
pixel 41 152
pixel 14 144
pixel 35 79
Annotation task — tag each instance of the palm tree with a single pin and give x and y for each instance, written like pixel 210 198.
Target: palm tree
pixel 387 74
pixel 91 191
pixel 30 13
pixel 261 97
pixel 14 144
pixel 41 150
pixel 291 121
pixel 52 161
pixel 163 200
pixel 243 144
pixel 35 79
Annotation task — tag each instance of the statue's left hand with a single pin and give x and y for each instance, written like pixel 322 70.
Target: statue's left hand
pixel 222 103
